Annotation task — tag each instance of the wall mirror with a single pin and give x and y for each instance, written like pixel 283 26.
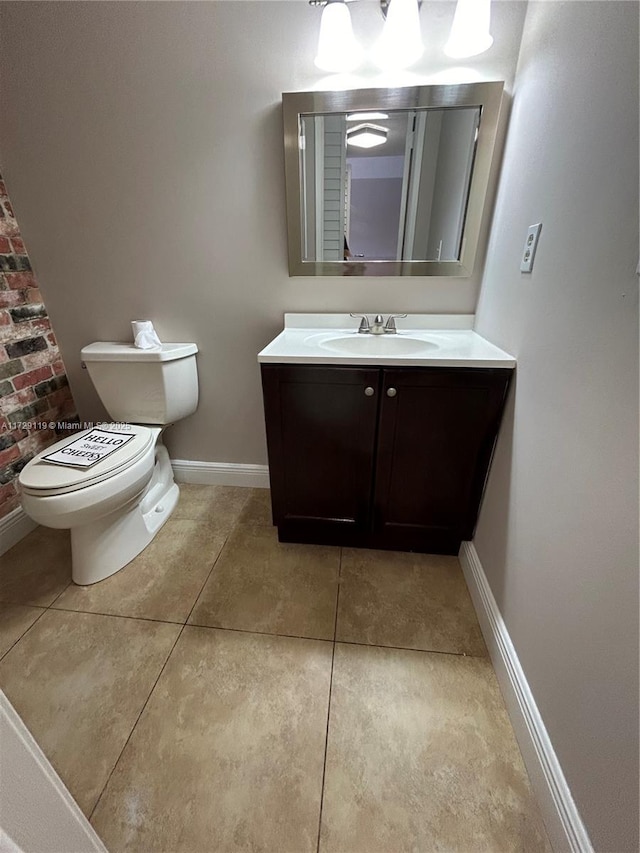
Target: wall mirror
pixel 388 181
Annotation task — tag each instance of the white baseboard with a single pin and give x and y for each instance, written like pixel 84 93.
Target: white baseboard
pixel 221 473
pixel 14 527
pixel 562 819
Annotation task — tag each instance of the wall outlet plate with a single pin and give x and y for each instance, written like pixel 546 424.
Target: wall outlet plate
pixel 530 246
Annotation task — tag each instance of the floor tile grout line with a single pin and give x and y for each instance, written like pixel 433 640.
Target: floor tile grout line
pixel 326 736
pixel 259 633
pixel 117 615
pixel 206 580
pixel 246 631
pixel 335 624
pixel 335 641
pixel 62 591
pixel 24 633
pixel 411 649
pixel 137 720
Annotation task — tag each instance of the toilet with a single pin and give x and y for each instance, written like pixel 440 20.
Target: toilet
pixel 115 507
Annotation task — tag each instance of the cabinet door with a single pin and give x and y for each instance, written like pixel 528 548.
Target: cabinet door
pixel 321 429
pixel 437 432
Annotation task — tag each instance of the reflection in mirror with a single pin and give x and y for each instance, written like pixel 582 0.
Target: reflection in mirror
pixel 388 181
pixel 386 186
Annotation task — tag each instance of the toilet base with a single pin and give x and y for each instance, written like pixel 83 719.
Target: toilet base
pixel 103 547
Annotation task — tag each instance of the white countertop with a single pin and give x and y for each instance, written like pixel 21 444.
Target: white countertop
pixel 422 340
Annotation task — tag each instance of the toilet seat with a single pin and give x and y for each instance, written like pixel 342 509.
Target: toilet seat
pixel 43 478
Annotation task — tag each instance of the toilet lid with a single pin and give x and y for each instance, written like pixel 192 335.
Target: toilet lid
pixel 47 477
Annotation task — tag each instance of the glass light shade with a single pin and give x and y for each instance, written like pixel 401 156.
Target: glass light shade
pixel 470 34
pixel 367 136
pixel 338 49
pixel 400 44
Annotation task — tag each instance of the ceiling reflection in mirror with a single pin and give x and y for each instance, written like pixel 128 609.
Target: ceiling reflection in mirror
pixel 388 181
pixel 386 186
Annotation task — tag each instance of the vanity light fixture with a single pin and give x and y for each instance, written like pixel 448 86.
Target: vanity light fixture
pixel 400 44
pixel 367 135
pixel 338 49
pixel 470 34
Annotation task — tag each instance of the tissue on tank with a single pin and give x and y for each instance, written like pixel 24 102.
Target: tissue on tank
pixel 144 335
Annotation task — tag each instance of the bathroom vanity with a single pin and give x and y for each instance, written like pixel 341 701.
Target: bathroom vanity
pixel 381 441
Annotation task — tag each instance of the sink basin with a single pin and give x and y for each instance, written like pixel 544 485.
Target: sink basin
pixel 377 345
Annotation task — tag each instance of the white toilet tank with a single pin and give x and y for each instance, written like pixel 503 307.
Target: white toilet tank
pixel 153 386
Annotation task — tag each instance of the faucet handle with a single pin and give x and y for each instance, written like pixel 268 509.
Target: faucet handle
pixel 364 327
pixel 390 326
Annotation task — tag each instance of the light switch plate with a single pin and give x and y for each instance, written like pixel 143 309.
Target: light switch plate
pixel 530 246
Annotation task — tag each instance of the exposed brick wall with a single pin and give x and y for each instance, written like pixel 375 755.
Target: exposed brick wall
pixel 35 399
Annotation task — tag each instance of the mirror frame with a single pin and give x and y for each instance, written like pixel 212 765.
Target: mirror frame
pixel 488 96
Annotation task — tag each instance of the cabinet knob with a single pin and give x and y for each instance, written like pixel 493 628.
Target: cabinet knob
pixel 391 392
pixel 369 391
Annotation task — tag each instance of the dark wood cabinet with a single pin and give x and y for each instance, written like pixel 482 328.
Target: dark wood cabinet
pixel 380 457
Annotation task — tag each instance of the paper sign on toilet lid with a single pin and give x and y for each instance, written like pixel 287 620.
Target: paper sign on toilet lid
pixel 89 449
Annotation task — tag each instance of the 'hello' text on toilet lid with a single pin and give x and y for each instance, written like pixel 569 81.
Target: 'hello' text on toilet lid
pixel 89 449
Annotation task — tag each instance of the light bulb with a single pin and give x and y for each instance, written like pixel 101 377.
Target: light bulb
pixel 400 44
pixel 470 34
pixel 338 49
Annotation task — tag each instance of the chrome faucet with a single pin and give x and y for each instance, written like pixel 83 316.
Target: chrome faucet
pixel 378 327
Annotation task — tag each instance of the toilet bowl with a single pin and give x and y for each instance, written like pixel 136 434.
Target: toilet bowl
pixel 112 513
pixel 115 507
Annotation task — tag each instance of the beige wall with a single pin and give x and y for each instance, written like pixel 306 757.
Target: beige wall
pixel 142 147
pixel 558 532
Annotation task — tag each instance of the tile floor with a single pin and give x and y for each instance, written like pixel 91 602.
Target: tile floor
pixel 225 692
